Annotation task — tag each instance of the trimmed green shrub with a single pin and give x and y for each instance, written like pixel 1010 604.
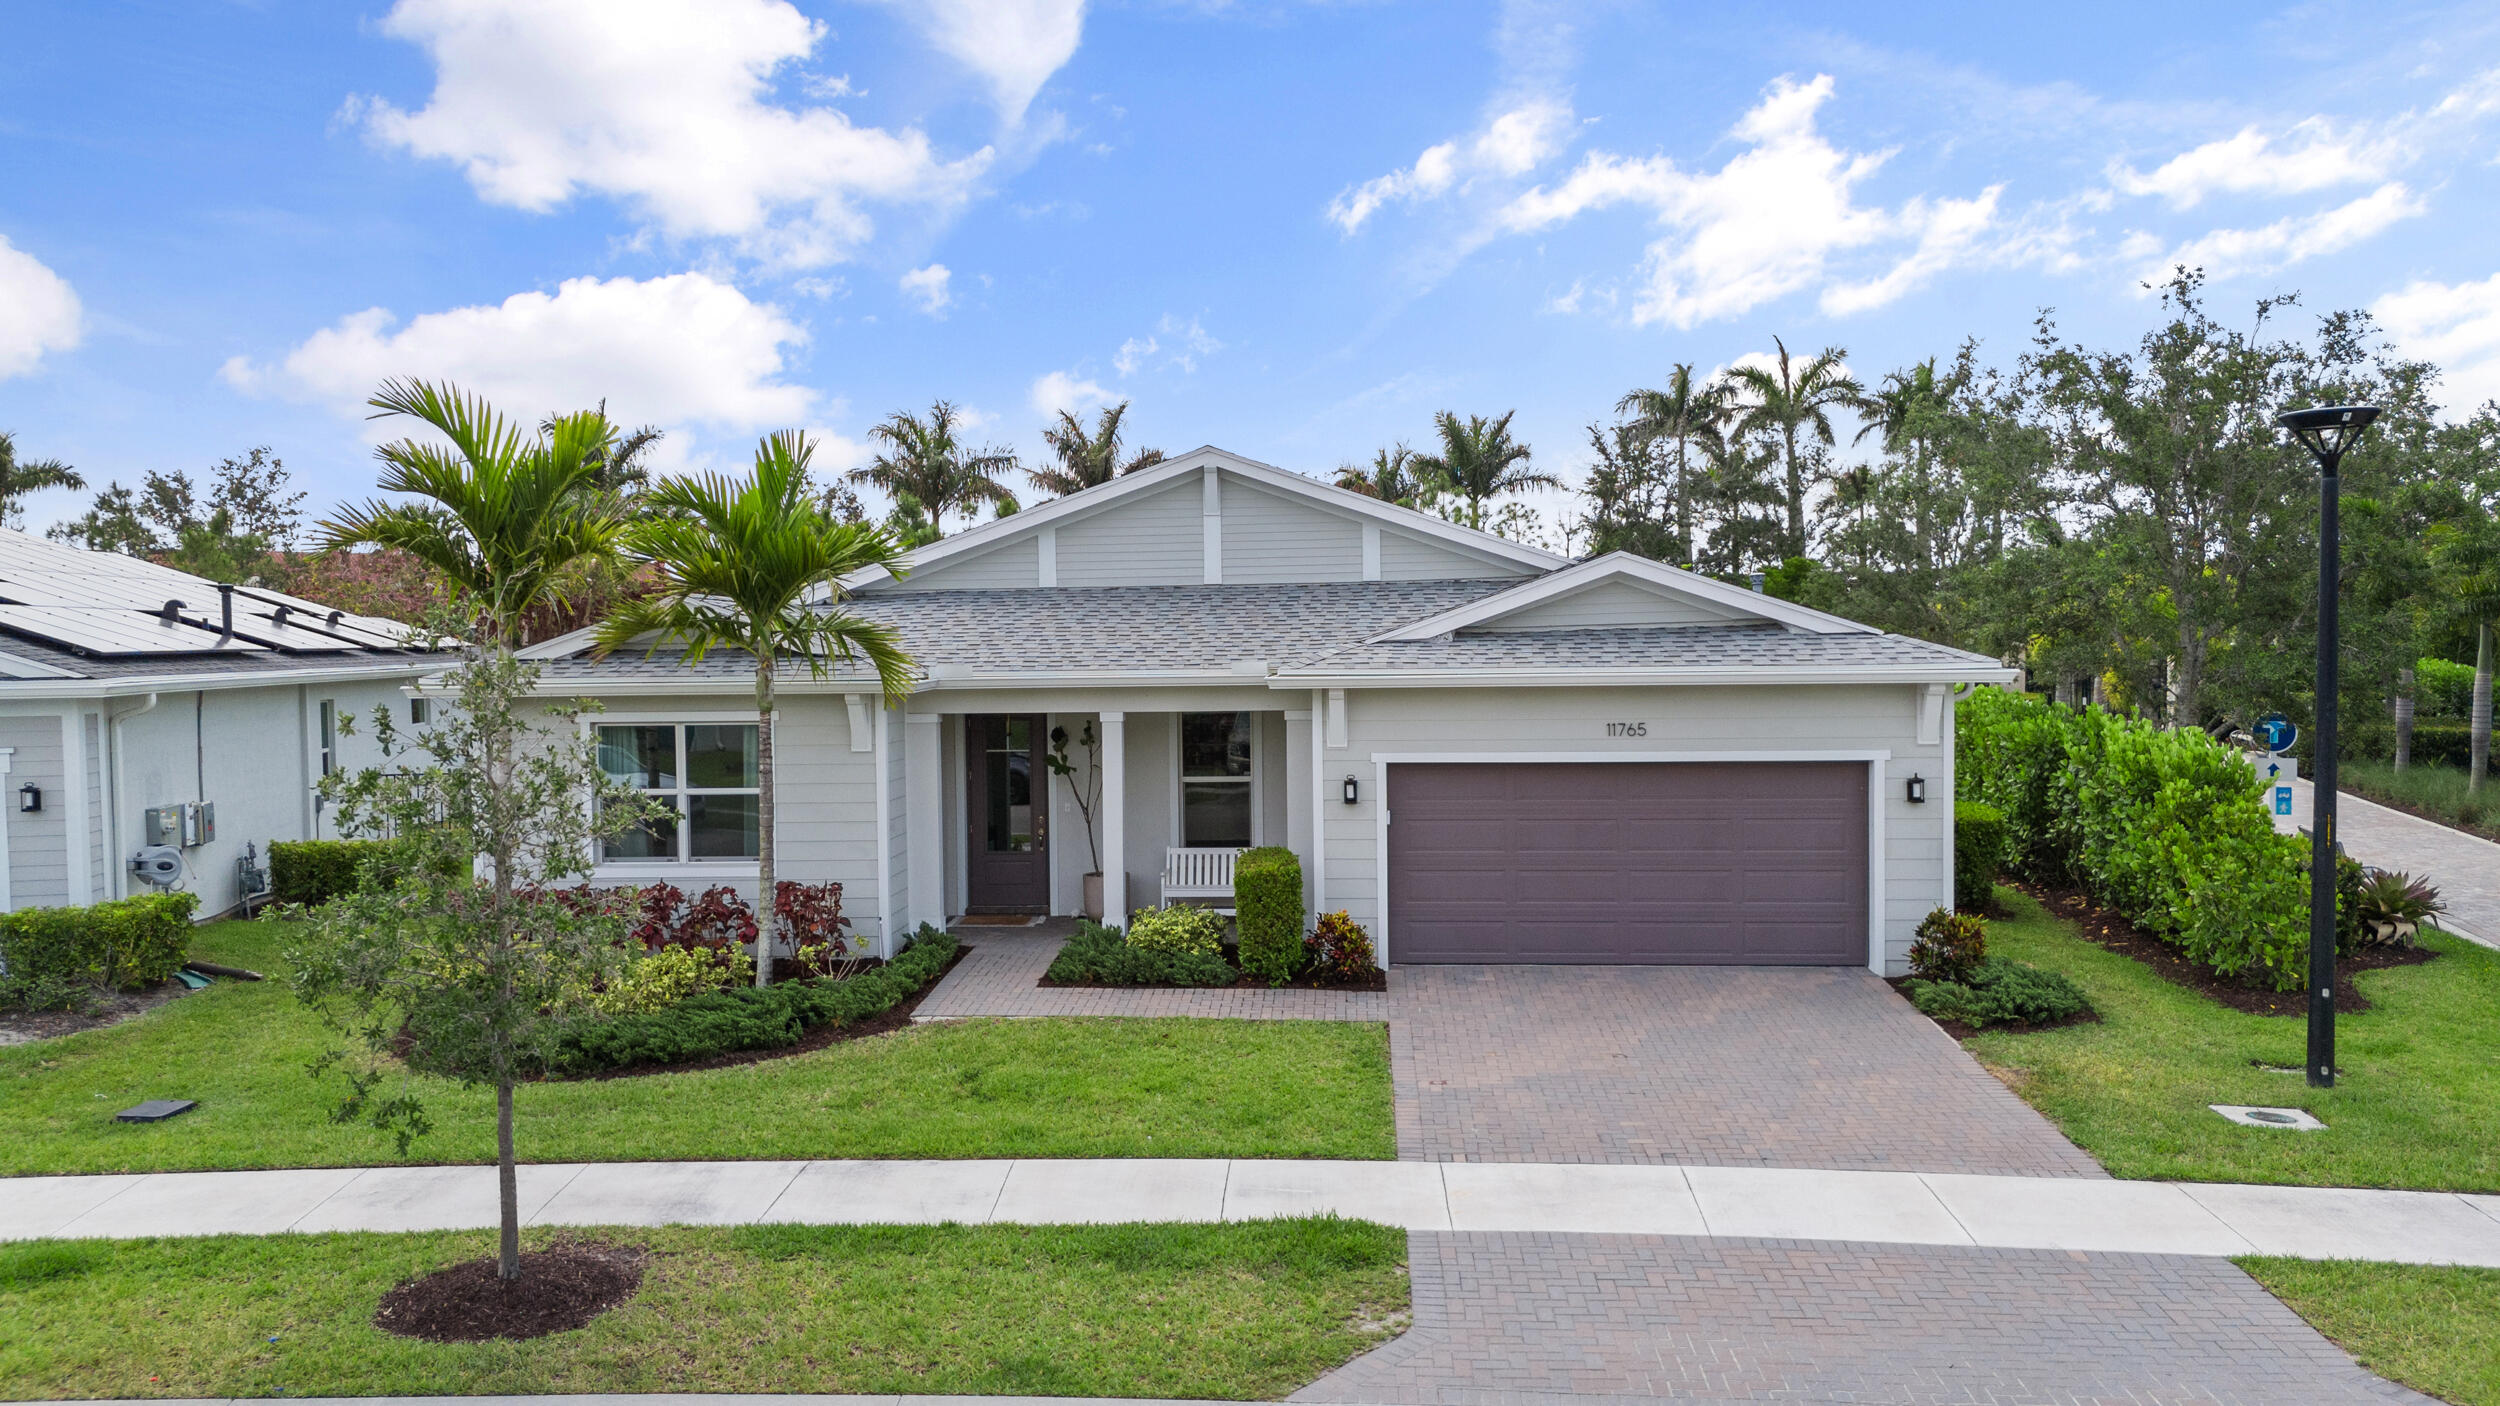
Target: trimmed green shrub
pixel 1948 946
pixel 748 1018
pixel 2001 992
pixel 2437 744
pixel 1979 839
pixel 2168 828
pixel 312 872
pixel 2442 689
pixel 1177 928
pixel 53 956
pixel 1097 955
pixel 1267 907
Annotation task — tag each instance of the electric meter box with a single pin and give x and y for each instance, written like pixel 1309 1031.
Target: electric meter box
pixel 186 824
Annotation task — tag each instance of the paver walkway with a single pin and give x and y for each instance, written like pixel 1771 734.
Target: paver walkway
pixel 1001 976
pixel 2064 1213
pixel 2466 867
pixel 1529 1319
pixel 1728 1066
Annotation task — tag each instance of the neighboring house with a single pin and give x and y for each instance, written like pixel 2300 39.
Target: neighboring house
pixel 1482 751
pixel 133 696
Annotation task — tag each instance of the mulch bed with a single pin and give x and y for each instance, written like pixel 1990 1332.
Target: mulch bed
pixel 892 1018
pixel 111 1008
pixel 2104 928
pixel 560 1289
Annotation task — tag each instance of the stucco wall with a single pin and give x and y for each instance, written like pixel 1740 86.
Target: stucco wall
pixel 1758 721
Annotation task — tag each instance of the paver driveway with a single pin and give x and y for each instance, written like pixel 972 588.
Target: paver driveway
pixel 1726 1066
pixel 1528 1320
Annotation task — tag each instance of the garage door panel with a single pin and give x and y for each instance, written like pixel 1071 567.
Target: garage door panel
pixel 1641 863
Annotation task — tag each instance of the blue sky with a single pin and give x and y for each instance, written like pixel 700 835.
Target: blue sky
pixel 1291 229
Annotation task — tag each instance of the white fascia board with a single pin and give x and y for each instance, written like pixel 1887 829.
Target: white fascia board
pixel 209 683
pixel 1344 502
pixel 1624 566
pixel 1636 678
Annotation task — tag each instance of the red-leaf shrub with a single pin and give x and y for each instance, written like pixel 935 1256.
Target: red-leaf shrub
pixel 717 919
pixel 655 922
pixel 1338 947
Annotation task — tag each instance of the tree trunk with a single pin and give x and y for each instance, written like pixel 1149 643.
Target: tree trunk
pixel 507 1188
pixel 766 919
pixel 2480 741
pixel 2404 717
pixel 1796 500
pixel 1683 505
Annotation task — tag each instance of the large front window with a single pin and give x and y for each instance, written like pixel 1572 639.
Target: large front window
pixel 1215 779
pixel 703 774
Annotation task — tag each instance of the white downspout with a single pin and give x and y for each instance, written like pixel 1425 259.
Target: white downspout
pixel 119 882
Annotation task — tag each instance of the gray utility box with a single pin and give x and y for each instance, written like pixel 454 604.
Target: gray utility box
pixel 186 824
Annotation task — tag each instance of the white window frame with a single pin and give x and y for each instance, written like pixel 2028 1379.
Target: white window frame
pixel 711 870
pixel 1258 796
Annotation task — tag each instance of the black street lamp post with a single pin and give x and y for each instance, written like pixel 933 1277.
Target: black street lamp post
pixel 2326 433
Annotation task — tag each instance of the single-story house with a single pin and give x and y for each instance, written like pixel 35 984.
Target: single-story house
pixel 142 706
pixel 1482 751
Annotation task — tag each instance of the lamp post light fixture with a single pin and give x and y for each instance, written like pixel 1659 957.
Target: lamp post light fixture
pixel 2326 432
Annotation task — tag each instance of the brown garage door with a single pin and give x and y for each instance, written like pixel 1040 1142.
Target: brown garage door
pixel 1751 863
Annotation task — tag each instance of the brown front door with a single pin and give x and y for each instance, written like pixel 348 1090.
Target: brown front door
pixel 1645 863
pixel 1008 866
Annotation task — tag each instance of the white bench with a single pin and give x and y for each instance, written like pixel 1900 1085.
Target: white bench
pixel 1200 873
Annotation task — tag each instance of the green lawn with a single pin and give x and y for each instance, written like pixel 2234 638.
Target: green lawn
pixel 1032 1088
pixel 1242 1311
pixel 2416 1102
pixel 2436 1329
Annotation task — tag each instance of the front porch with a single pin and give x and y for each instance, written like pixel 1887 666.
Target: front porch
pixel 1008 808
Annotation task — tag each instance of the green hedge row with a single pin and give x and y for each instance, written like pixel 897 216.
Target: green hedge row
pixel 1267 907
pixel 1979 853
pixel 49 955
pixel 313 872
pixel 2442 689
pixel 2168 828
pixel 1100 955
pixel 748 1018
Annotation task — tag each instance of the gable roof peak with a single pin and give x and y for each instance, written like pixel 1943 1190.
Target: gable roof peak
pixel 1718 596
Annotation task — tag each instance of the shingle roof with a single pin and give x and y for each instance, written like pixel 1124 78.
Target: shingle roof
pixel 1098 628
pixel 1661 647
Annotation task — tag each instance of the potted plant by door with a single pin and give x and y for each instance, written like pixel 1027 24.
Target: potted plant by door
pixel 1086 787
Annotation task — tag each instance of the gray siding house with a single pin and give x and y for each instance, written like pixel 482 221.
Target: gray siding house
pixel 128 688
pixel 1483 752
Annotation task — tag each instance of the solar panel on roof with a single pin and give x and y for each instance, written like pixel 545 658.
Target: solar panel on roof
pixel 117 631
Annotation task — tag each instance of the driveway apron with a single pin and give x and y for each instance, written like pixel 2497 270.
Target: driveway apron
pixel 1822 1067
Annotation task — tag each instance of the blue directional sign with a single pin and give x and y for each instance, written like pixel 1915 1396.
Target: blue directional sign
pixel 2277 733
pixel 2282 800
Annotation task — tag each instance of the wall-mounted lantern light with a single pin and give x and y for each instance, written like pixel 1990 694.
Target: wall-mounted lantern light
pixel 1918 789
pixel 1350 790
pixel 30 797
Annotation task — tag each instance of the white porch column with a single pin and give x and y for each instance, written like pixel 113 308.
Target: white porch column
pixel 1317 868
pixel 1115 818
pixel 1300 811
pixel 924 820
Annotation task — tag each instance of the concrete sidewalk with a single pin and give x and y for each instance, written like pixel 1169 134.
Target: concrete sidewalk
pixel 1760 1203
pixel 2466 867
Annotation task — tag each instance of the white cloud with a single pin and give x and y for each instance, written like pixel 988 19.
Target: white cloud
pixel 1511 144
pixel 1014 45
pixel 1061 390
pixel 2316 153
pixel 682 349
pixel 39 311
pixel 2224 253
pixel 928 287
pixel 1772 221
pixel 2456 326
pixel 666 105
pixel 1174 343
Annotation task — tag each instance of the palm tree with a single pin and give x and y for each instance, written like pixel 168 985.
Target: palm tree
pixel 2466 554
pixel 19 477
pixel 1479 461
pixel 1088 460
pixel 1904 414
pixel 1390 477
pixel 1684 410
pixel 506 516
pixel 1790 400
pixel 924 460
pixel 749 565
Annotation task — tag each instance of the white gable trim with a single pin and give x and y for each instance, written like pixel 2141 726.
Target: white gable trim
pixel 1326 496
pixel 1623 566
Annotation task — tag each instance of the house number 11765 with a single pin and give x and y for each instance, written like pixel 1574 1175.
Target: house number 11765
pixel 1627 729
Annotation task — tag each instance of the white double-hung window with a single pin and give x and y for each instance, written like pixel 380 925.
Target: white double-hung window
pixel 704 775
pixel 1219 797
